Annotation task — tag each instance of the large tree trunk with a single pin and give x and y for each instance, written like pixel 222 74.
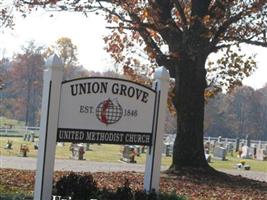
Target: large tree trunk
pixel 190 85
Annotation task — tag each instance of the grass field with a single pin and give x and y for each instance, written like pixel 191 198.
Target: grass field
pixel 112 153
pixel 14 128
pixel 14 123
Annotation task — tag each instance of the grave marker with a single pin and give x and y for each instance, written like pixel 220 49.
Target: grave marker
pixel 78 152
pixel 128 154
pixel 32 136
pixel 25 137
pixel 247 152
pixel 261 154
pixel 219 153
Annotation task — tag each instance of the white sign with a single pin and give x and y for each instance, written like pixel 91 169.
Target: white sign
pixel 106 110
pixel 100 110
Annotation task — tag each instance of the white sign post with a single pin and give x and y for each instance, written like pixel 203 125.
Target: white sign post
pixel 48 129
pixel 100 110
pixel 153 159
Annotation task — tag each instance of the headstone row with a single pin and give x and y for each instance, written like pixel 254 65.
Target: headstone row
pixel 29 137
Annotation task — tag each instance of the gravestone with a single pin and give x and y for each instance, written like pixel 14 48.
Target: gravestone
pixel 212 145
pixel 209 139
pixel 169 139
pixel 72 146
pixel 207 146
pixel 78 152
pixel 247 152
pixel 242 143
pixel 143 149
pixel 230 148
pixel 138 150
pixel 28 138
pixel 24 150
pixel 259 145
pixel 32 136
pixel 25 137
pixel 219 153
pixel 219 139
pixel 167 149
pixel 254 152
pixel 220 142
pixel 261 154
pixel 35 146
pixel 254 145
pixel 208 157
pixel 87 147
pixel 128 154
pixel 225 144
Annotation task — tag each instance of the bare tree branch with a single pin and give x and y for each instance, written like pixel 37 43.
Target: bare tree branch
pixel 38 3
pixel 248 41
pixel 225 26
pixel 222 46
pixel 146 25
pixel 161 58
pixel 181 11
pixel 165 16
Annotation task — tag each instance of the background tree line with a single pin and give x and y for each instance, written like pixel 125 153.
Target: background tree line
pixel 237 114
pixel 22 78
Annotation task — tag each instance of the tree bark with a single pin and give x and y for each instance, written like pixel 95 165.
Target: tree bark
pixel 189 102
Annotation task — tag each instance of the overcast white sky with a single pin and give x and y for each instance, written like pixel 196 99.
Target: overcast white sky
pixel 87 34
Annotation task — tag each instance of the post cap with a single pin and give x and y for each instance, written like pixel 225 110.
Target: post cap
pixel 162 73
pixel 54 62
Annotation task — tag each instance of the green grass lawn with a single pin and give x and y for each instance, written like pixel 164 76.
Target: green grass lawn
pixel 14 123
pixel 14 128
pixel 112 153
pixel 16 143
pixel 231 162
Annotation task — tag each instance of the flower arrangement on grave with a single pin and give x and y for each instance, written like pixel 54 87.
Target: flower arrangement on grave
pixel 243 165
pixel 81 151
pixel 9 144
pixel 132 155
pixel 243 162
pixel 24 149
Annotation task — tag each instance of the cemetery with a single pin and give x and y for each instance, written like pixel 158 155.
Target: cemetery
pixel 226 159
pixel 217 149
pixel 222 154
